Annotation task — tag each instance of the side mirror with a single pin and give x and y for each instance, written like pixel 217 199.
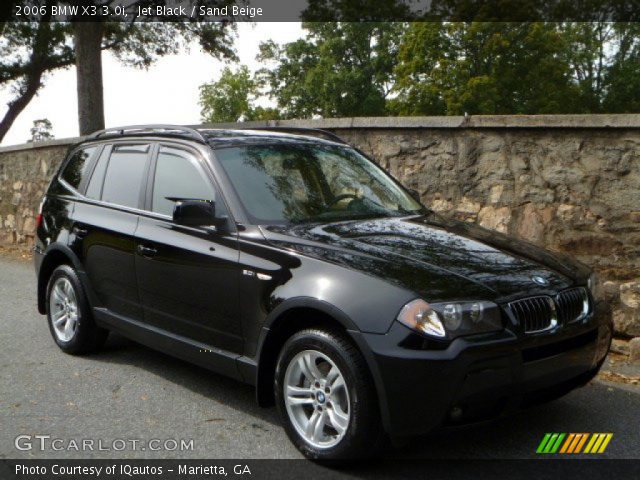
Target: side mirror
pixel 196 213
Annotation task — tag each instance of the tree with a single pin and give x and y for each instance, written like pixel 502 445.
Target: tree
pixel 502 68
pixel 484 68
pixel 138 44
pixel 88 51
pixel 605 62
pixel 622 79
pixel 232 99
pixel 29 50
pixel 228 99
pixel 264 113
pixel 339 69
pixel 135 43
pixel 41 130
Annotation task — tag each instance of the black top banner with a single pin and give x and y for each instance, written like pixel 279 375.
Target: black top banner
pixel 320 10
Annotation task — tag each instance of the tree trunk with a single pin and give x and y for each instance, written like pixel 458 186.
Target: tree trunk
pixel 31 86
pixel 88 43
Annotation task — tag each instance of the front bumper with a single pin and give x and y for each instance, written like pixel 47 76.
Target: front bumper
pixel 483 376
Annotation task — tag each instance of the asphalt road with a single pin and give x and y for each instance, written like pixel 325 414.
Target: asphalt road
pixel 131 392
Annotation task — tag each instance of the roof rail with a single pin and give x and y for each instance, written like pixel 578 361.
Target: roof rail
pixel 313 132
pixel 159 130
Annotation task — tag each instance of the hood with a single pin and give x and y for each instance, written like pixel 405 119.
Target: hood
pixel 435 257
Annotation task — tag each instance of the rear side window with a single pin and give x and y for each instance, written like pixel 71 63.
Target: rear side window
pixel 125 171
pixel 94 189
pixel 78 167
pixel 178 175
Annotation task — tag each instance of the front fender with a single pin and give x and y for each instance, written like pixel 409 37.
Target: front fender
pixel 360 301
pixel 311 303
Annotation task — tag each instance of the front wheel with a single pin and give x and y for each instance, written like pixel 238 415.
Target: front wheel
pixel 326 397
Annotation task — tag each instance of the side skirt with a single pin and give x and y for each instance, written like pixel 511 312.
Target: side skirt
pixel 211 358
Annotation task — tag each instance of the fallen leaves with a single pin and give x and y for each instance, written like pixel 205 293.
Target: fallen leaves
pixel 619 377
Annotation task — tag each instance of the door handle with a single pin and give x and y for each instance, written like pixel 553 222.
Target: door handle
pixel 79 232
pixel 146 251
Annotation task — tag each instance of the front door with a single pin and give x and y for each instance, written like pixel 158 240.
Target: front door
pixel 187 277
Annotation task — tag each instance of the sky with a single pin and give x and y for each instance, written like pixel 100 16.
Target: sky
pixel 165 93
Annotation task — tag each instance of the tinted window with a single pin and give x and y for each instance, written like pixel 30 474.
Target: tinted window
pixel 178 176
pixel 94 189
pixel 78 167
pixel 314 182
pixel 123 178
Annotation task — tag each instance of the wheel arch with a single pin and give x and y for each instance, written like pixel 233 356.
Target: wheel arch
pixel 55 256
pixel 295 315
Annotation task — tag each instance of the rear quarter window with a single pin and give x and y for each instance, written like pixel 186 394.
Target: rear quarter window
pixel 78 167
pixel 94 188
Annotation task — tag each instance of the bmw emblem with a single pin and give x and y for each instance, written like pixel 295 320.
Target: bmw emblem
pixel 540 280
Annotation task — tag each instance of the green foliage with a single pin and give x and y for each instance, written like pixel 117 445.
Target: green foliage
pixel 339 69
pixel 605 61
pixel 517 68
pixel 357 11
pixel 228 99
pixel 231 99
pixel 141 44
pixel 263 113
pixel 449 68
pixel 483 68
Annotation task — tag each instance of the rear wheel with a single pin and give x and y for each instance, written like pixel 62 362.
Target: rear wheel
pixel 326 398
pixel 69 315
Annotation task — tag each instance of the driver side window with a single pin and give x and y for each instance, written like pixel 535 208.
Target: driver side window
pixel 178 175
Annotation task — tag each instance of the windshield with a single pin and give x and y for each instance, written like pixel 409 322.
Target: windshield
pixel 294 183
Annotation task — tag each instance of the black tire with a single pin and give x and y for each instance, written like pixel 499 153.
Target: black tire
pixel 364 434
pixel 88 337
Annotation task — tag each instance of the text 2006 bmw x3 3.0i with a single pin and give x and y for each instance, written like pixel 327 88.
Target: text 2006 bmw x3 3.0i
pixel 289 260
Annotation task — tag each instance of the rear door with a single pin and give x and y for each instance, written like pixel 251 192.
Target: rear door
pixel 105 220
pixel 187 277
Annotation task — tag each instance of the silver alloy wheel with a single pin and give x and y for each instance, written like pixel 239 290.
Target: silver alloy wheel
pixel 63 308
pixel 317 399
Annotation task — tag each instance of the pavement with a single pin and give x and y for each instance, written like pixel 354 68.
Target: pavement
pixel 129 392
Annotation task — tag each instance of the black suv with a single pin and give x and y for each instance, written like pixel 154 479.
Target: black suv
pixel 290 261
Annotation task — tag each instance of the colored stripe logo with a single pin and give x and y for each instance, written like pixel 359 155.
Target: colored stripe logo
pixel 574 443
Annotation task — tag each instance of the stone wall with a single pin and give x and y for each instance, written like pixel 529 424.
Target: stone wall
pixel 25 172
pixel 570 183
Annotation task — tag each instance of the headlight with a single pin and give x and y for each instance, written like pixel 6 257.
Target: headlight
pixel 595 286
pixel 451 319
pixel 419 315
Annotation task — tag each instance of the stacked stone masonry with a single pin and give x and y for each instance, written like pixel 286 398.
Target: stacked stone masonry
pixel 568 183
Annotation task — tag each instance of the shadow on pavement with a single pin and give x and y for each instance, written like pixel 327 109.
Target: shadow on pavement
pixel 515 436
pixel 208 384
